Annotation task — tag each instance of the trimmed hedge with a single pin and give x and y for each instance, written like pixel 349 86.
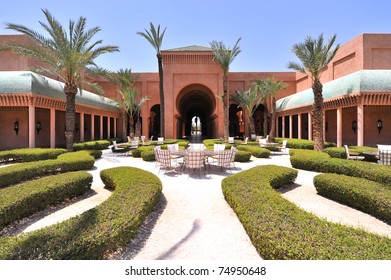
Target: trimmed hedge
pixel 148 155
pixel 30 154
pixel 321 162
pixel 27 198
pixel 242 156
pixel 281 230
pixel 64 163
pixel 294 143
pixel 92 145
pixel 367 196
pixel 339 152
pixel 97 232
pixel 95 153
pixel 255 151
pixel 136 153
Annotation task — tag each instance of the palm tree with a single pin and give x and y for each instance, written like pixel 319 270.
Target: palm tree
pixel 70 56
pixel 270 87
pixel 125 80
pixel 225 56
pixel 138 106
pixel 249 101
pixel 315 56
pixel 155 38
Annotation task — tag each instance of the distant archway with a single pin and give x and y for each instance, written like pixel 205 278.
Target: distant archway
pixel 154 121
pixel 196 102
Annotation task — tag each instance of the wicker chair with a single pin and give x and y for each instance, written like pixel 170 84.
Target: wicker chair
pixel 163 159
pixel 385 157
pixel 195 160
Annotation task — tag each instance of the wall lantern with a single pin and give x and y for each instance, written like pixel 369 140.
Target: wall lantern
pixel 38 126
pixel 16 127
pixel 76 127
pixel 354 126
pixel 379 125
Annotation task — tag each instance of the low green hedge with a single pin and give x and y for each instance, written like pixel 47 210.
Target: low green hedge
pixel 255 151
pixel 321 162
pixel 92 145
pixel 64 163
pixel 27 198
pixel 281 230
pixel 294 143
pixel 367 196
pixel 30 154
pixel 339 152
pixel 242 156
pixel 148 155
pixel 97 232
pixel 95 153
pixel 136 153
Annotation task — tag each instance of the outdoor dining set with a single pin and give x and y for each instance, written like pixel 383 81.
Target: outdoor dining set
pixel 195 158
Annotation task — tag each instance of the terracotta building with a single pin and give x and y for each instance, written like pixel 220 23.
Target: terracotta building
pixel 357 95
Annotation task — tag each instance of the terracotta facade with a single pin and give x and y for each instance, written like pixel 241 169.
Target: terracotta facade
pixel 192 82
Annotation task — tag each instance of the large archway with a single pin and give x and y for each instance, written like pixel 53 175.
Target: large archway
pixel 196 106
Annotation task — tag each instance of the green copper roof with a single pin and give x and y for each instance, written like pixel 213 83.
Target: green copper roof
pixel 360 81
pixel 193 48
pixel 14 82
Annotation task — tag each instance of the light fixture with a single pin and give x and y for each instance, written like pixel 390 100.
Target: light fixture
pixel 379 125
pixel 16 127
pixel 354 126
pixel 38 126
pixel 76 127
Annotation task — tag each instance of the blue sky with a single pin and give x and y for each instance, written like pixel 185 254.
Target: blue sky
pixel 268 28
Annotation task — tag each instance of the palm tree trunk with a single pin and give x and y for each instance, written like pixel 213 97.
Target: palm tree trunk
pixel 265 115
pixel 131 126
pixel 226 106
pixel 161 90
pixel 251 124
pixel 317 116
pixel 124 125
pixel 273 121
pixel 70 93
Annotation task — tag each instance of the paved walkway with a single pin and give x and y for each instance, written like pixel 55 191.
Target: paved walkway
pixel 193 220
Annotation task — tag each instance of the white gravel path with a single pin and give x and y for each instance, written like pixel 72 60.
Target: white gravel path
pixel 193 220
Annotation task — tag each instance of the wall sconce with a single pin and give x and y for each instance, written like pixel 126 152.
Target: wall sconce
pixel 38 126
pixel 379 125
pixel 76 127
pixel 16 127
pixel 354 126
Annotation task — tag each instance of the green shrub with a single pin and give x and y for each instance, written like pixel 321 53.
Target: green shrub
pixel 321 162
pixel 64 163
pixel 339 152
pixel 95 153
pixel 255 151
pixel 30 154
pixel 242 156
pixel 367 196
pixel 281 230
pixel 97 232
pixel 294 143
pixel 27 198
pixel 92 145
pixel 148 156
pixel 136 153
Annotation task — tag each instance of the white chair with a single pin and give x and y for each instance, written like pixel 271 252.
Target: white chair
pixel 134 144
pixel 245 141
pixel 195 160
pixel 163 159
pixel 150 140
pixel 143 139
pixel 218 147
pixel 129 139
pixel 353 157
pixel 119 150
pixel 262 142
pixel 224 159
pixel 160 140
pixel 136 138
pixel 231 140
pixel 196 147
pixel 283 146
pixel 385 157
pixel 384 147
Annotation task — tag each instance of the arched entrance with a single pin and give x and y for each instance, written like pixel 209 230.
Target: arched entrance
pixel 154 121
pixel 196 105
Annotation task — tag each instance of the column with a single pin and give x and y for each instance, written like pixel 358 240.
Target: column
pixel 92 127
pixel 290 126
pixel 101 127
pixel 81 127
pixel 52 128
pixel 108 127
pixel 31 128
pixel 299 126
pixel 339 127
pixel 309 126
pixel 360 125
